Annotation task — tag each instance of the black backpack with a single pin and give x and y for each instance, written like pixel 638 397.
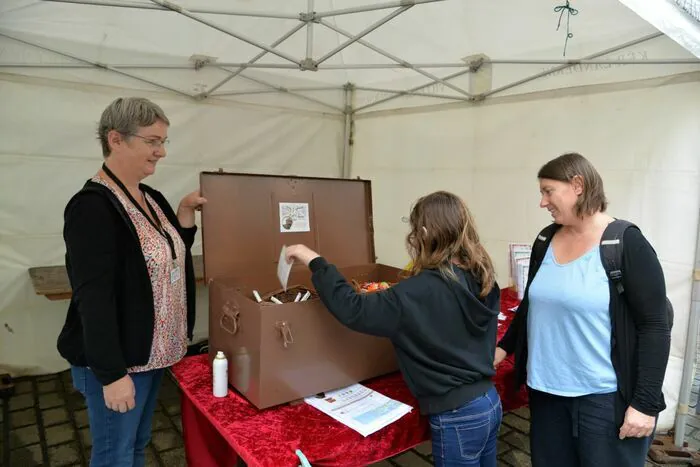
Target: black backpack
pixel 611 250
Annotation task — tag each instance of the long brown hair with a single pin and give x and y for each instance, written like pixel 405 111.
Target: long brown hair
pixel 443 233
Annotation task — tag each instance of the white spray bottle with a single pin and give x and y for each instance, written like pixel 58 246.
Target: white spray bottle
pixel 220 375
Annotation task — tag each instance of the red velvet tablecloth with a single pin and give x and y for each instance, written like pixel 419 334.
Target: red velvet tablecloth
pixel 216 431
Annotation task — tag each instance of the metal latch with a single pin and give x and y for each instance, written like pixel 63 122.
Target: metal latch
pixel 231 312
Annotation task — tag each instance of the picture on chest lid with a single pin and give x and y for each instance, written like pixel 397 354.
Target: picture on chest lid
pixel 294 217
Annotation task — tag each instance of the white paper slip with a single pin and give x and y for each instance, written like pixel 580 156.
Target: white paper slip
pixel 360 408
pixel 283 268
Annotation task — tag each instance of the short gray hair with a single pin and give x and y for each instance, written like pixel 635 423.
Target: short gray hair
pixel 126 115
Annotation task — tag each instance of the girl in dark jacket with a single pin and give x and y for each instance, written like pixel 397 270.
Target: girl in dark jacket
pixel 442 322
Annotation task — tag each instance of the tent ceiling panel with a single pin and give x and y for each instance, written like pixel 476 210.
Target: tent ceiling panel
pixel 638 62
pixel 390 48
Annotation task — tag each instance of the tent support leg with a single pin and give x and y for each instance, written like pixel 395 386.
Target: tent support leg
pixel 309 35
pixel 691 344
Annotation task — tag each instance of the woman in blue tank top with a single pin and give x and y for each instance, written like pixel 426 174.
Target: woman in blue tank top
pixel 594 368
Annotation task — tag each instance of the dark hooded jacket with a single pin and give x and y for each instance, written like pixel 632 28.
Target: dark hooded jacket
pixel 444 335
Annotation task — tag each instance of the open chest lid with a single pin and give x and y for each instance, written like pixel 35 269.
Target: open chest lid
pixel 249 217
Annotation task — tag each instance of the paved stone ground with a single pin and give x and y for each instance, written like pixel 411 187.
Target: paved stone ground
pixel 49 423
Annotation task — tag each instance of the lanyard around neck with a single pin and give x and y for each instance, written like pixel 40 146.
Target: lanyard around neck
pixel 155 222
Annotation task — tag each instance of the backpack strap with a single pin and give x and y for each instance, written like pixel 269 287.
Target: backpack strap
pixel 611 249
pixel 539 248
pixel 544 238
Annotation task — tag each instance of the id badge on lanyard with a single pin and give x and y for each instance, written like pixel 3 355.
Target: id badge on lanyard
pixel 175 273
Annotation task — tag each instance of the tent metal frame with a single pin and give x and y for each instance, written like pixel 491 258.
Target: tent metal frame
pixel 360 66
pixel 309 20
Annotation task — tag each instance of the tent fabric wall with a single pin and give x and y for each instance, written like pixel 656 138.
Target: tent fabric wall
pixel 643 141
pixel 49 149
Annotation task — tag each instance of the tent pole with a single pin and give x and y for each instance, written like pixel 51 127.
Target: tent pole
pixel 583 61
pixel 251 63
pixel 310 33
pixel 411 93
pixel 378 66
pixel 380 6
pixel 181 10
pixel 286 36
pixel 396 59
pixel 417 88
pixel 98 65
pixel 362 34
pixel 356 66
pixel 562 67
pixel 291 93
pixel 144 66
pixel 272 90
pixel 146 6
pixel 347 132
pixel 691 343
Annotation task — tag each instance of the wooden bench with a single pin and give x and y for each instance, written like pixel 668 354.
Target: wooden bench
pixel 52 281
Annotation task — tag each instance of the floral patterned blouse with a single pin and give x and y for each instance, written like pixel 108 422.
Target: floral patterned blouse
pixel 169 299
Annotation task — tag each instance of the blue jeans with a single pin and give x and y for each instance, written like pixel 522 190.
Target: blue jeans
pixel 119 439
pixel 468 435
pixel 580 432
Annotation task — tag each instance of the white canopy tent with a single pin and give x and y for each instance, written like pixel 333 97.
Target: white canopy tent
pixel 466 96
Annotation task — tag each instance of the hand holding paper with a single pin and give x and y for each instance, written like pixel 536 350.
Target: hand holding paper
pixel 302 253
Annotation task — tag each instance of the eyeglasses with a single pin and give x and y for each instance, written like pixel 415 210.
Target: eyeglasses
pixel 155 143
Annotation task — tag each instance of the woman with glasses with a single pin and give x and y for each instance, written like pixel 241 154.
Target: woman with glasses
pixel 129 264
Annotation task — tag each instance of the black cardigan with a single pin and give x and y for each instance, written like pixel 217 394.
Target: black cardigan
pixel 109 326
pixel 640 331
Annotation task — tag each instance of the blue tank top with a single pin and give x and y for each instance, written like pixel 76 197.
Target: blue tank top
pixel 569 329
